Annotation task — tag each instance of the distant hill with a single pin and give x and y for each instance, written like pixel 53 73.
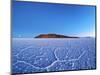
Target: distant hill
pixel 53 36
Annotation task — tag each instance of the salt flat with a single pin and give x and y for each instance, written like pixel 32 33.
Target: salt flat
pixel 48 55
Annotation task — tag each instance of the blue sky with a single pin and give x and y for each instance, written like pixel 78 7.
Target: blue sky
pixel 30 19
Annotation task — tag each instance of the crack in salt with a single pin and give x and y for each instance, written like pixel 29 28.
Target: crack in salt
pixel 29 64
pixel 73 64
pixel 52 62
pixel 78 57
pixel 22 50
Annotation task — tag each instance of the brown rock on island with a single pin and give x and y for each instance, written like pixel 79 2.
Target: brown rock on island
pixel 54 36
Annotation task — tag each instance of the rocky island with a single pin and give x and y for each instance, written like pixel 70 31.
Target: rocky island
pixel 54 36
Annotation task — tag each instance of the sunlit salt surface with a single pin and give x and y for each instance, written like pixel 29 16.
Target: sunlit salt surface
pixel 48 55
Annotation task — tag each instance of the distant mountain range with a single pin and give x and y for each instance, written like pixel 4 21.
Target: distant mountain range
pixel 54 36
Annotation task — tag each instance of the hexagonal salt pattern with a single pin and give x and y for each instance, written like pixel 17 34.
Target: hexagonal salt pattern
pixel 49 55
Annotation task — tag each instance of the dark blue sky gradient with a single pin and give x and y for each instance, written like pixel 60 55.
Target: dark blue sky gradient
pixel 30 19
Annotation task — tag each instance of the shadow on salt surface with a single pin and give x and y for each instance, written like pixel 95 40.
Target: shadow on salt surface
pixel 42 55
